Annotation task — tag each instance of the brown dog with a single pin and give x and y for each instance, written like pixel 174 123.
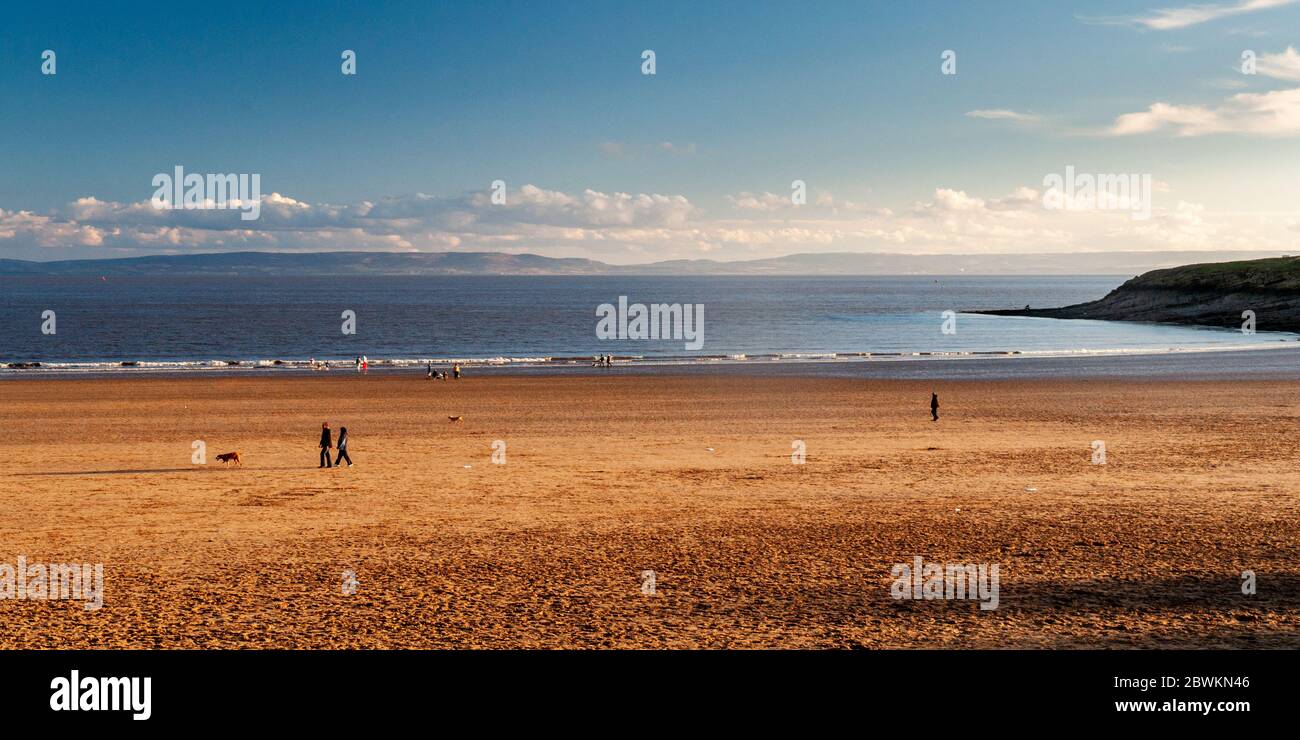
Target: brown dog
pixel 230 457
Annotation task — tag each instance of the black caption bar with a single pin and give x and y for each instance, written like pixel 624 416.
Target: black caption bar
pixel 943 689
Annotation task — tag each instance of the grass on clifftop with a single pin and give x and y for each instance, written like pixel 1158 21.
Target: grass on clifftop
pixel 1276 274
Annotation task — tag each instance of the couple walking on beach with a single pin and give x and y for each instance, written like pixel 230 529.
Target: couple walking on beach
pixel 326 443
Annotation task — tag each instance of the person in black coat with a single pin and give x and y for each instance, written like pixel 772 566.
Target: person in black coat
pixel 343 447
pixel 325 445
pixel 934 405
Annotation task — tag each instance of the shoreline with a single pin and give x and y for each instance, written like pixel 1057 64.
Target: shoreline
pixel 854 363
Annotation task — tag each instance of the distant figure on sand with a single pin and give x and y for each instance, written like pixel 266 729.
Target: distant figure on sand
pixel 934 405
pixel 365 364
pixel 325 445
pixel 455 371
pixel 343 447
pixel 429 375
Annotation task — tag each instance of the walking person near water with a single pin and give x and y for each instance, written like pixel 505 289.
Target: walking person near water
pixel 343 448
pixel 934 405
pixel 325 445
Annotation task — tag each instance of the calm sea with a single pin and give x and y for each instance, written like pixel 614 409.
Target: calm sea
pixel 208 323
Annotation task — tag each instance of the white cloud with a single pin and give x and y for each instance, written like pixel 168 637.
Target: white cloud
pixel 1166 19
pixel 531 204
pixel 1283 66
pixel 763 202
pixel 1002 114
pixel 947 201
pixel 1274 113
pixel 823 202
pixel 956 200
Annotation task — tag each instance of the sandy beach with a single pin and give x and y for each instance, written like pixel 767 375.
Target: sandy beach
pixel 690 477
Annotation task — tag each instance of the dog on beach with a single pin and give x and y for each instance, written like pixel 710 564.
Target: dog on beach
pixel 230 457
pixel 456 419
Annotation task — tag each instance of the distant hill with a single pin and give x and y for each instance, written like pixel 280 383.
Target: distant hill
pixel 318 263
pixel 497 263
pixel 1209 294
pixel 850 263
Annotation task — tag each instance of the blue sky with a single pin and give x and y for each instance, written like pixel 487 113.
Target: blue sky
pixel 696 161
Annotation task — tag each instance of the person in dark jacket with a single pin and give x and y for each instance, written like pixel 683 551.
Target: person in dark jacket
pixel 343 447
pixel 325 445
pixel 934 405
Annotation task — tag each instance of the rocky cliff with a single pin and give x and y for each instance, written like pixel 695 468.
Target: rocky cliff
pixel 1214 294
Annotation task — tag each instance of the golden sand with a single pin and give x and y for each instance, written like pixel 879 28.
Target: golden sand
pixel 690 477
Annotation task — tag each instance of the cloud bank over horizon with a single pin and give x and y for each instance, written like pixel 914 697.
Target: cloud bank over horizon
pixel 625 228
